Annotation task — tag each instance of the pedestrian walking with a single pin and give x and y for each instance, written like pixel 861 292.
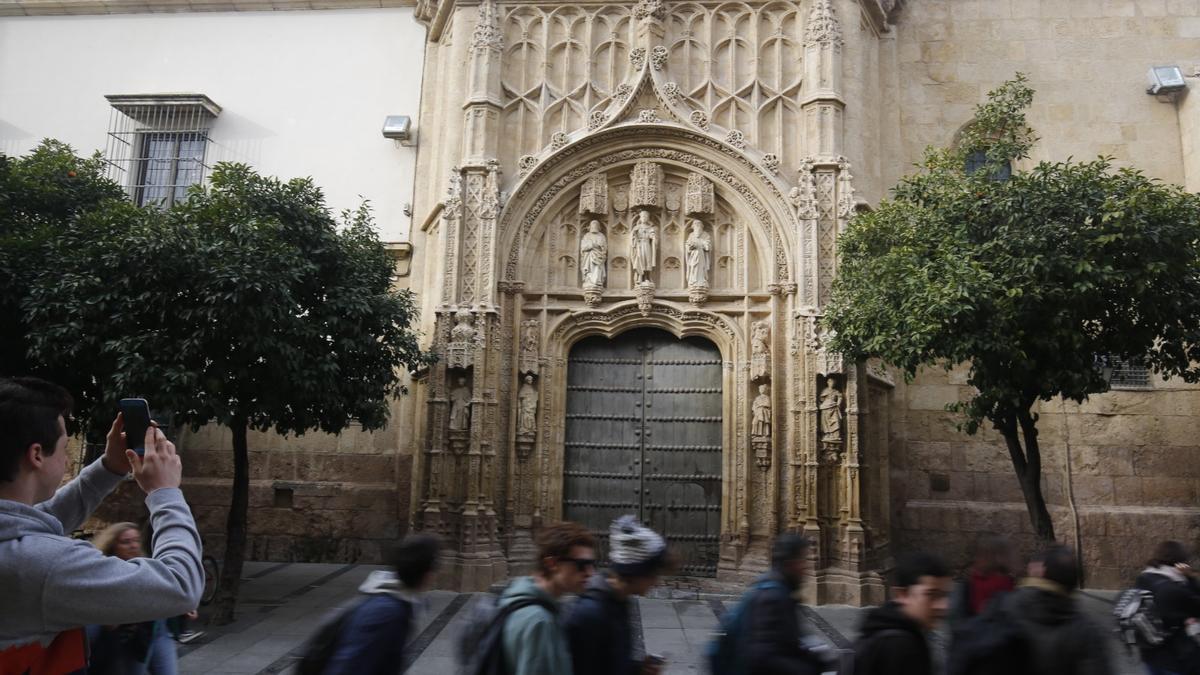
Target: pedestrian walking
pixel 372 637
pixel 1062 639
pixel 135 648
pixel 532 641
pixel 893 639
pixel 990 575
pixel 598 624
pixel 53 585
pixel 1176 590
pixel 775 641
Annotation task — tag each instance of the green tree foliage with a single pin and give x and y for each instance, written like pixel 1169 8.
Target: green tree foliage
pixel 246 305
pixel 42 194
pixel 1028 280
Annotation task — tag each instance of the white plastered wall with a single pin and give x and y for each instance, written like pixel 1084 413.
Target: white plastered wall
pixel 304 93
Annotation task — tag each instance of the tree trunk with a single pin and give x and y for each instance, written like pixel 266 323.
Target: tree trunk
pixel 235 528
pixel 1027 464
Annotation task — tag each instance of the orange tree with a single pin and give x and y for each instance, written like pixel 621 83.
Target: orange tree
pixel 246 305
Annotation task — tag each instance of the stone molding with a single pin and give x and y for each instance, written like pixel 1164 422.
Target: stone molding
pixel 69 7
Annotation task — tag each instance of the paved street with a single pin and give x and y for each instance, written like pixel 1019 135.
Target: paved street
pixel 283 603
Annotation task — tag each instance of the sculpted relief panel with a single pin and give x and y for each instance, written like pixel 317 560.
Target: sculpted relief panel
pixel 633 243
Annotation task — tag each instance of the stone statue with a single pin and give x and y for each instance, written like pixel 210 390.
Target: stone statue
pixel 593 256
pixel 762 414
pixel 830 408
pixel 460 406
pixel 759 333
pixel 464 330
pixel 699 248
pixel 644 240
pixel 528 397
pixel 529 338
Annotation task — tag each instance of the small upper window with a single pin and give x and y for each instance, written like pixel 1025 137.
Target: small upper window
pixel 1124 373
pixel 978 160
pixel 158 144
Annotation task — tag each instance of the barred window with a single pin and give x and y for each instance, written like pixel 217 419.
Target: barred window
pixel 979 159
pixel 1125 373
pixel 158 144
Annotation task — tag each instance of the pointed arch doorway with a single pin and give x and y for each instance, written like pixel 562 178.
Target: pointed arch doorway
pixel 643 436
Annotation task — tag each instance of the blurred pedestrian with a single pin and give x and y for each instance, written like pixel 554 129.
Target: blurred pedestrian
pixel 599 627
pixel 894 637
pixel 990 574
pixel 372 637
pixel 1176 590
pixel 775 642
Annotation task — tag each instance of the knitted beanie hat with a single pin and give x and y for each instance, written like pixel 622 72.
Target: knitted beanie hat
pixel 634 549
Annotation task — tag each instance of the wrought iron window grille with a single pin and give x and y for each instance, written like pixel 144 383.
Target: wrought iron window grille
pixel 1124 373
pixel 158 144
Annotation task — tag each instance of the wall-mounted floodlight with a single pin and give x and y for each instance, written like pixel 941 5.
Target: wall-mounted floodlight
pixel 398 128
pixel 1165 80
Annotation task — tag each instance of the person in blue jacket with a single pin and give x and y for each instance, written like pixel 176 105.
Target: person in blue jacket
pixel 598 624
pixel 375 634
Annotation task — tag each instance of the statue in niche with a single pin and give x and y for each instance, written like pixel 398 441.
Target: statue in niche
pixel 699 255
pixel 830 408
pixel 761 425
pixel 460 406
pixel 464 330
pixel 593 256
pixel 529 346
pixel 644 240
pixel 527 407
pixel 760 349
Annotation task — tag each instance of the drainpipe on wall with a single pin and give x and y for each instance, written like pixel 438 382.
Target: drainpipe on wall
pixel 1071 492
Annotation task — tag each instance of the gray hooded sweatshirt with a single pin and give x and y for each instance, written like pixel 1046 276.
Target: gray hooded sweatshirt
pixel 51 583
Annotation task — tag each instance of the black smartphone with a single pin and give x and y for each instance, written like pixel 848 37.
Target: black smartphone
pixel 137 420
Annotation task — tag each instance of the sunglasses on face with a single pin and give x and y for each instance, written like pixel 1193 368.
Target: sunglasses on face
pixel 582 564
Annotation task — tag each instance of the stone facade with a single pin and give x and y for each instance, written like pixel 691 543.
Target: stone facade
pixel 769 124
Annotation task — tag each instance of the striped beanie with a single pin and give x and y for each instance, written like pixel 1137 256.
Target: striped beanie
pixel 634 550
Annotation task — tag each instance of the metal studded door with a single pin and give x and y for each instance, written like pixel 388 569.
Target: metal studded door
pixel 643 436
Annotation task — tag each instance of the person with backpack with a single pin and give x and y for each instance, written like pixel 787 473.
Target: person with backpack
pixel 1176 593
pixel 532 642
pixel 761 635
pixel 371 636
pixel 893 638
pixel 598 624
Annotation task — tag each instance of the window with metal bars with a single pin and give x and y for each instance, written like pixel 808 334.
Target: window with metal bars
pixel 1124 373
pixel 158 144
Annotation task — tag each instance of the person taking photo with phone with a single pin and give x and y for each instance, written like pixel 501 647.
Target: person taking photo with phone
pixel 54 585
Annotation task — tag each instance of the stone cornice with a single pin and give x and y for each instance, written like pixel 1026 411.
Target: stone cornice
pixel 64 7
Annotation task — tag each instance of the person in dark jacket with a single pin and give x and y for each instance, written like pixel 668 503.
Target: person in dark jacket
pixel 375 634
pixel 775 642
pixel 893 638
pixel 1177 602
pixel 1062 639
pixel 598 625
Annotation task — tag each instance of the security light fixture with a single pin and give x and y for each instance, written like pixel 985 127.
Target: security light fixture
pixel 398 128
pixel 1165 80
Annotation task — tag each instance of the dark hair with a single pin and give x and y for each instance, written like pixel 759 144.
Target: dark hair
pixel 414 558
pixel 1169 553
pixel 912 566
pixel 29 411
pixel 1060 566
pixel 557 540
pixel 787 547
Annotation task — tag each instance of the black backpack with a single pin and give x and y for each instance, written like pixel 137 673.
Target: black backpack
pixel 319 649
pixel 1138 623
pixel 991 643
pixel 481 643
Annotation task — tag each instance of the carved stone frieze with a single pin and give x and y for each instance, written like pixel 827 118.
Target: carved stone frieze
pixel 648 116
pixel 646 185
pixel 593 196
pixel 698 199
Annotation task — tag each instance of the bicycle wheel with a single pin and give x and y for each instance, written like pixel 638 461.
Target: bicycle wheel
pixel 212 579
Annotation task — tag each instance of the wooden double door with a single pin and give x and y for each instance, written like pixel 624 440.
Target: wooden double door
pixel 643 436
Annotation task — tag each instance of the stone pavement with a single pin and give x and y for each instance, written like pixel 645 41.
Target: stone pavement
pixel 283 603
